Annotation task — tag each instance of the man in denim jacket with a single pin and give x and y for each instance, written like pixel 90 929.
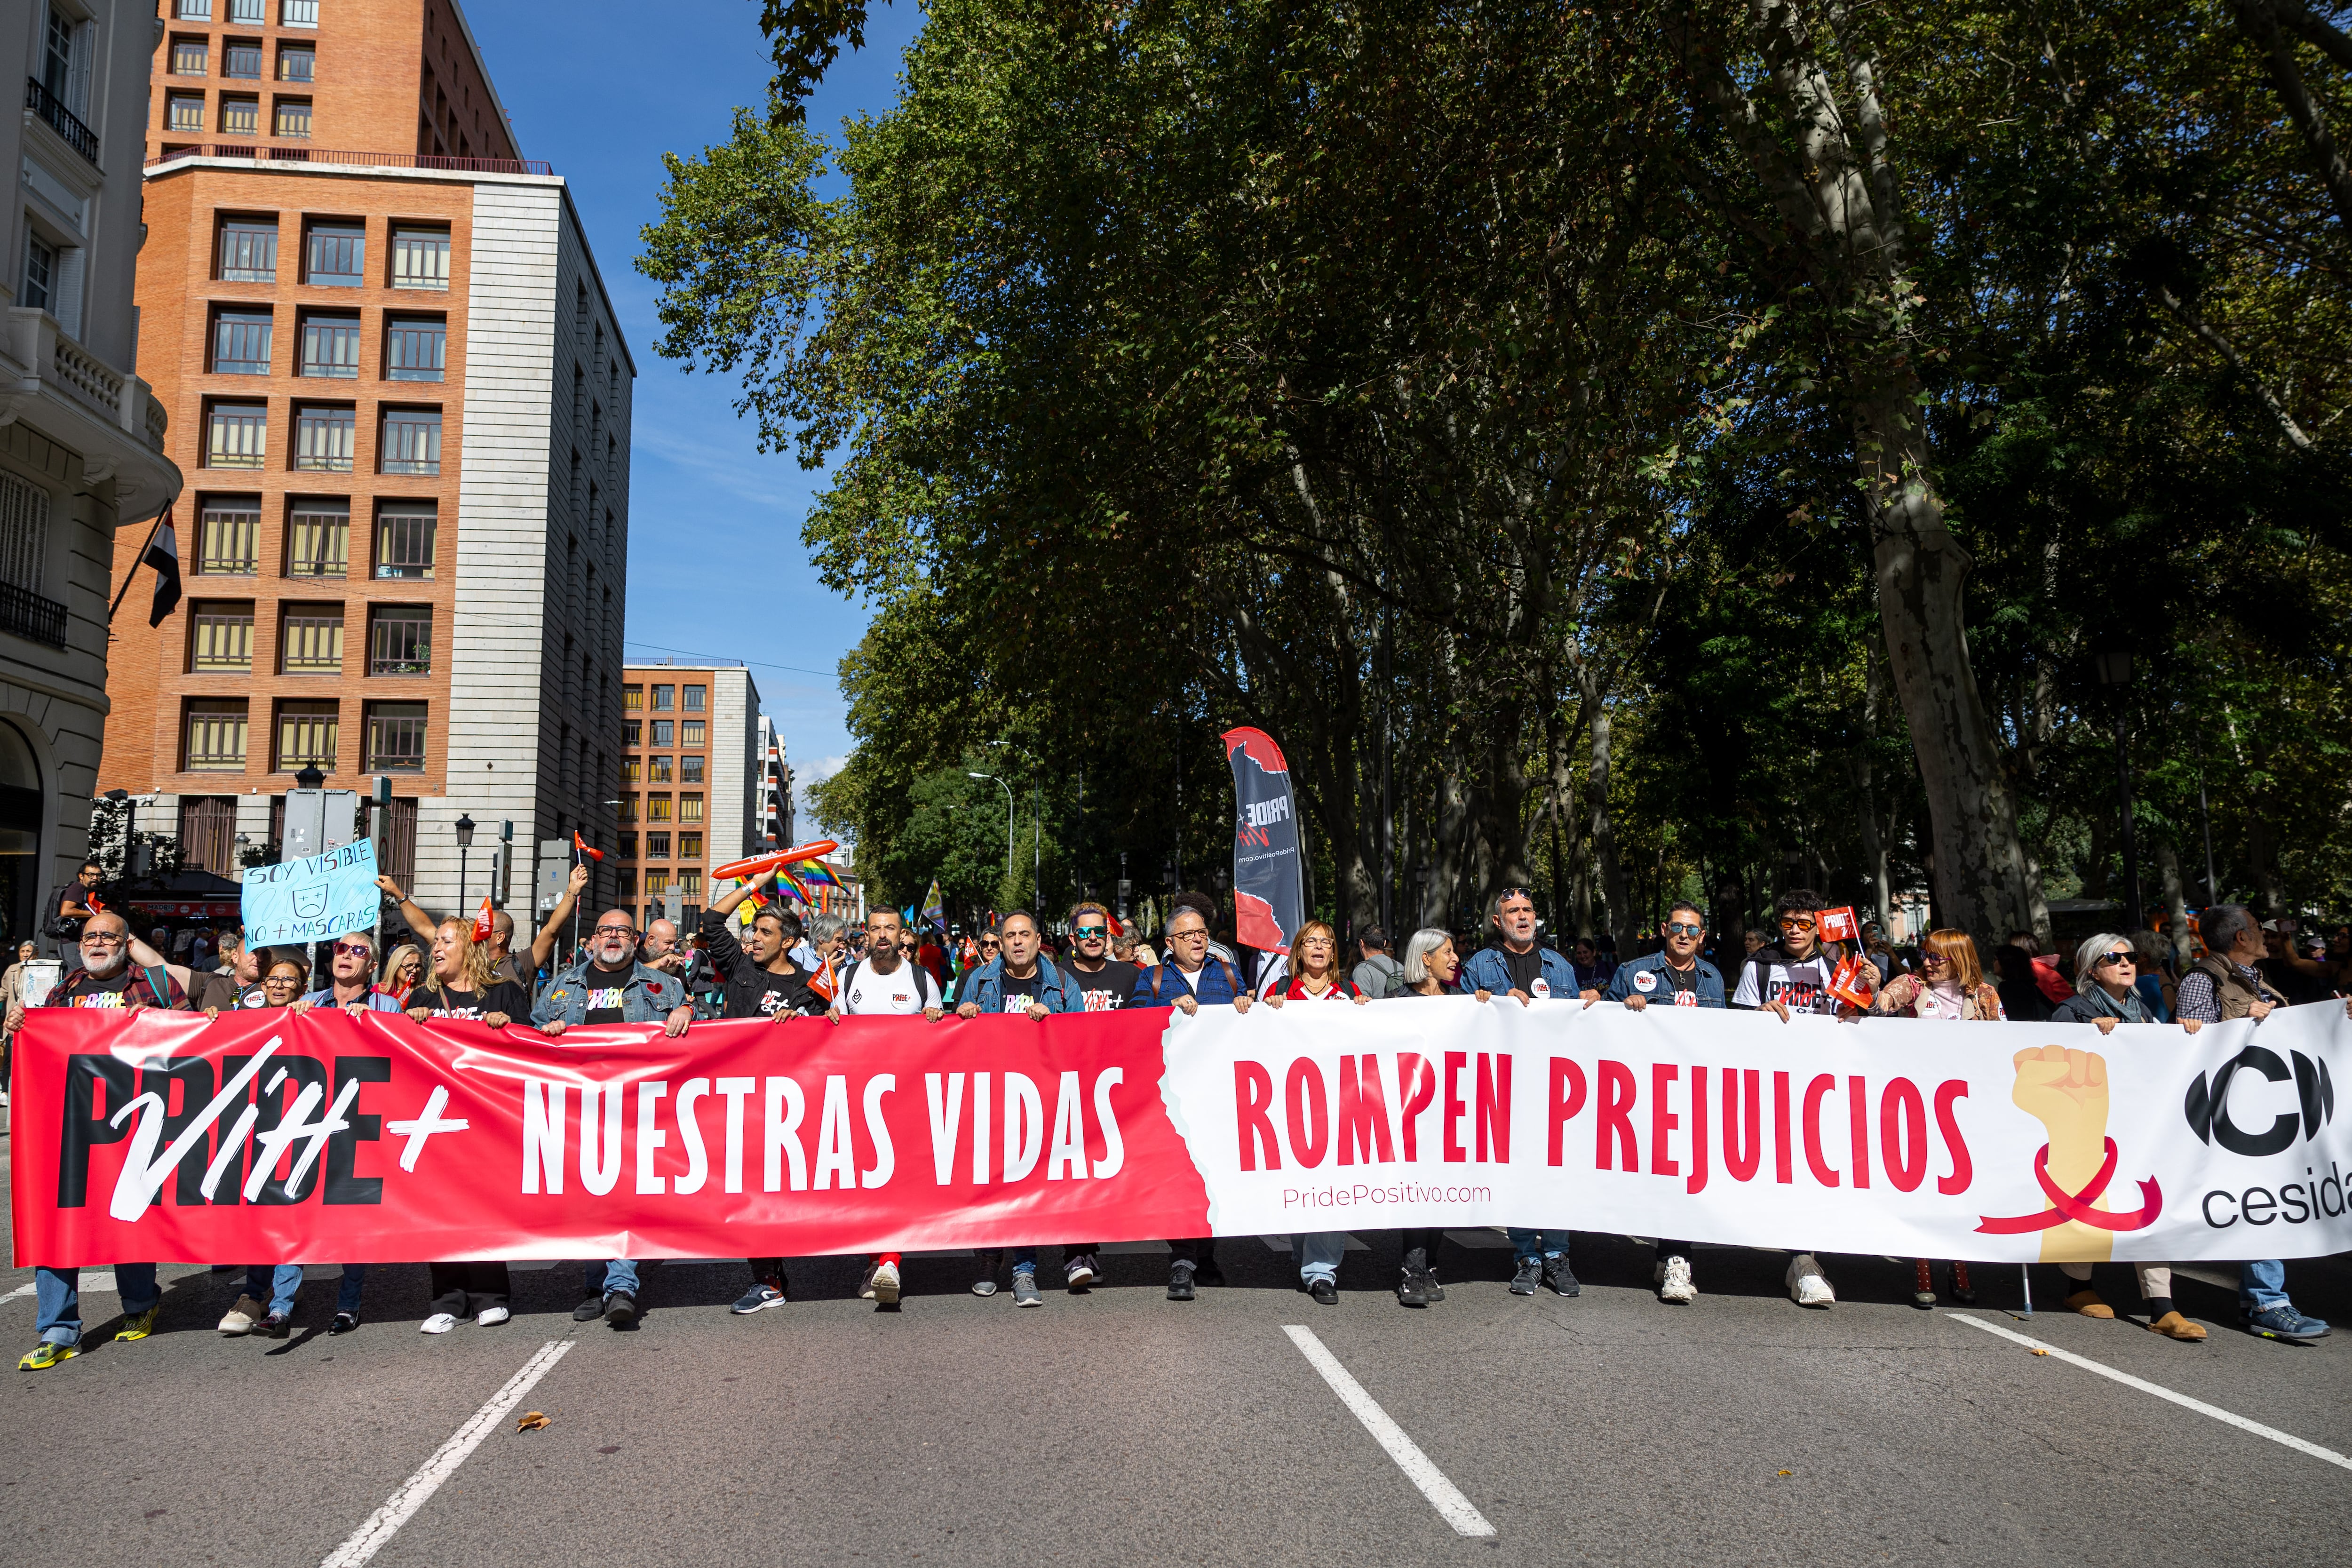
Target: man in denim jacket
pixel 610 987
pixel 1036 982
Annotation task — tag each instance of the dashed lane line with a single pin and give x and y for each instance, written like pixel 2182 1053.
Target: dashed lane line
pixel 413 1493
pixel 1442 1494
pixel 2230 1417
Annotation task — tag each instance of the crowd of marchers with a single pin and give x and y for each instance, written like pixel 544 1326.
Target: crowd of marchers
pixel 776 966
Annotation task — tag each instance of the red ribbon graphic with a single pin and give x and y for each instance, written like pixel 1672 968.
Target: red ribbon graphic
pixel 2078 1205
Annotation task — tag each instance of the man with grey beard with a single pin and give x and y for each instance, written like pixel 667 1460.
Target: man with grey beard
pixel 107 979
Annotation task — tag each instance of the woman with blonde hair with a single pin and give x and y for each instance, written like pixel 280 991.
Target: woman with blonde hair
pixel 1317 977
pixel 1950 985
pixel 403 971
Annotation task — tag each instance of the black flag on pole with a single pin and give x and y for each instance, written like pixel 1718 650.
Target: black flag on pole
pixel 163 554
pixel 1269 893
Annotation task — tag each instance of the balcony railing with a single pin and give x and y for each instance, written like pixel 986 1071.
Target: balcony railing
pixel 29 614
pixel 61 119
pixel 251 153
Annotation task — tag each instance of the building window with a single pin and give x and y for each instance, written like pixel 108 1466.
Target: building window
pixel 412 441
pixel 236 435
pixel 657 808
pixel 241 343
pixel 403 539
pixel 633 732
pixel 330 346
pixel 312 642
pixel 319 539
pixel 240 116
pixel 657 846
pixel 395 737
pixel 221 637
pixel 628 850
pixel 307 732
pixel 689 881
pixel 690 808
pixel 657 770
pixel 629 884
pixel 633 698
pixel 188 58
pixel 325 437
pixel 420 259
pixel 228 537
pixel 297 13
pixel 628 808
pixel 215 738
pixel 665 698
pixel 662 728
pixel 689 769
pixel 193 10
pixel 657 881
pixel 400 640
pixel 292 117
pixel 689 846
pixel 694 698
pixel 416 348
pixel 632 771
pixel 23 532
pixel 241 58
pixel 297 62
pixel 338 255
pixel 208 832
pixel 690 733
pixel 248 13
pixel 40 271
pixel 249 246
pixel 184 111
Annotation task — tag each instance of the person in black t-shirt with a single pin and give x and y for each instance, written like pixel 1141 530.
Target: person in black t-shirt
pixel 1105 981
pixel 461 984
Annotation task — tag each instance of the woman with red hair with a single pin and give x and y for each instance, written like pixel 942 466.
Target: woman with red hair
pixel 1950 985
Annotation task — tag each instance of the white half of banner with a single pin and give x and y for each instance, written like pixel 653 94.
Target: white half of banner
pixel 1975 1140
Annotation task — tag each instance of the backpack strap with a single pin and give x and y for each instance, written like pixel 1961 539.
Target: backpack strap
pixel 159 985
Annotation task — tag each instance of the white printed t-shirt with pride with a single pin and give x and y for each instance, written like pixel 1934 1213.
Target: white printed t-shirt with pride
pixel 908 988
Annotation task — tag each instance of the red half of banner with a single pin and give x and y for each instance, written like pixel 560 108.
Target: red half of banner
pixel 272 1135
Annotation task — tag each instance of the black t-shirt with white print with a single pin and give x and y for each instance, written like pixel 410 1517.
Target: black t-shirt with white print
pixel 607 993
pixel 1108 988
pixel 503 996
pixel 1019 994
pixel 1802 984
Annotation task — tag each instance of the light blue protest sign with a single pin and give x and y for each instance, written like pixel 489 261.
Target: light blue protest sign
pixel 312 899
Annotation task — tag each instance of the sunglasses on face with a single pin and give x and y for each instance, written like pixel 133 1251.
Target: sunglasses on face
pixel 1927 957
pixel 2108 958
pixel 1798 922
pixel 1091 933
pixel 355 948
pixel 1683 927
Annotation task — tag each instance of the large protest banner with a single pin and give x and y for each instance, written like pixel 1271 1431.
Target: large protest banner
pixel 271 1135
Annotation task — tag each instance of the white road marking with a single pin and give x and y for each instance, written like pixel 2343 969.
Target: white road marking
pixel 413 1492
pixel 19 1290
pixel 2230 1417
pixel 1442 1494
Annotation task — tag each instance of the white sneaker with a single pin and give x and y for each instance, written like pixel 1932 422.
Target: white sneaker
pixel 240 1319
pixel 438 1323
pixel 1674 1282
pixel 883 1284
pixel 490 1317
pixel 1079 1272
pixel 1807 1286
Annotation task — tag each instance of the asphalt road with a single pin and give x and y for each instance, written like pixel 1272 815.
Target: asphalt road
pixel 1116 1427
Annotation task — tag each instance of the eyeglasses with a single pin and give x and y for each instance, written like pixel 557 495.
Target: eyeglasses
pixel 2106 958
pixel 103 939
pixel 617 930
pixel 1683 928
pixel 356 949
pixel 1090 933
pixel 1798 922
pixel 1927 957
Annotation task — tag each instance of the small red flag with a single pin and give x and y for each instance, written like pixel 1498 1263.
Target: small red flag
pixel 580 845
pixel 482 927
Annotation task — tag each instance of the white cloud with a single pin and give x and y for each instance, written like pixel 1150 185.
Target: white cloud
pixel 807 774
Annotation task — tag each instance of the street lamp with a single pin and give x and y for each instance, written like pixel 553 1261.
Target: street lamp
pixel 1008 813
pixel 2113 668
pixel 465 842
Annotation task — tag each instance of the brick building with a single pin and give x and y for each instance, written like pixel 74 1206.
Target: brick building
pixel 399 395
pixel 694 781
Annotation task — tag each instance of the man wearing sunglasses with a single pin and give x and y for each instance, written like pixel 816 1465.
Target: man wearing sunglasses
pixel 1105 981
pixel 1794 977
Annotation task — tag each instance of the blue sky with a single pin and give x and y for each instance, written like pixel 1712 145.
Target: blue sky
pixel 716 562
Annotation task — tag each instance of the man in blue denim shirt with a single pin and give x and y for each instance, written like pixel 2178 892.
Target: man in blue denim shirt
pixel 610 987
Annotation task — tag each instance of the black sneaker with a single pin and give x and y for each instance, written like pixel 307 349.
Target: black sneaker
pixel 273 1326
pixel 1326 1293
pixel 1180 1281
pixel 1208 1273
pixel 1557 1277
pixel 1530 1276
pixel 1410 1291
pixel 345 1323
pixel 621 1310
pixel 591 1308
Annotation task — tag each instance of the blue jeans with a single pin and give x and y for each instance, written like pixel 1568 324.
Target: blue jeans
pixel 277 1284
pixel 58 1293
pixel 2261 1286
pixel 617 1277
pixel 1318 1253
pixel 1534 1244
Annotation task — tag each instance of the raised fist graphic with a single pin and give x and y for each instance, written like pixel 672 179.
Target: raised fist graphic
pixel 2066 1092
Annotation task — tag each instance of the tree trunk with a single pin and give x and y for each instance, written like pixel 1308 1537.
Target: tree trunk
pixel 1604 836
pixel 2175 901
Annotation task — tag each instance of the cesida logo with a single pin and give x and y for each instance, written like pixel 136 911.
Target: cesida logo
pixel 2208 1107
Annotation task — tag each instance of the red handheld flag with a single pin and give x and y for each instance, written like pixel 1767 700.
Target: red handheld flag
pixel 1840 924
pixel 581 845
pixel 482 927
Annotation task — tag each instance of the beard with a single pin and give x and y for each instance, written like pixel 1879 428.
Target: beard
pixel 116 961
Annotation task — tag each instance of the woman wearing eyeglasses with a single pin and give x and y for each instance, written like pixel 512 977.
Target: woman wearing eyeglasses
pixel 2106 992
pixel 404 973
